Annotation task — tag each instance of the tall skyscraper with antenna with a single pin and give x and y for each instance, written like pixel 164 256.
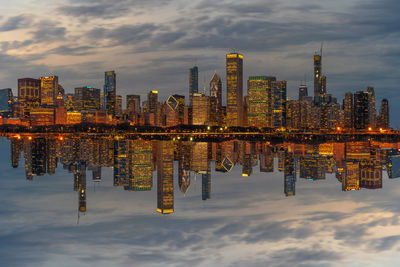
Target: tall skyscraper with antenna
pixel 319 79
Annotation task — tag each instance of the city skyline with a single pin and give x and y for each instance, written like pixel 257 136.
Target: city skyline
pixel 285 56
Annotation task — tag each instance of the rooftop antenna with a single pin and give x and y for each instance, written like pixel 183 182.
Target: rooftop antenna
pixel 322 44
pixel 204 85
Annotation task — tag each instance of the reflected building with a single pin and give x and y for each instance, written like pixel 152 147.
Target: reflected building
pixel 140 165
pixel 165 172
pixel 356 165
pixel 290 175
pixel 351 177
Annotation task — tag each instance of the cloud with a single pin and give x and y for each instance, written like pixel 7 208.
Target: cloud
pixel 95 10
pixel 16 22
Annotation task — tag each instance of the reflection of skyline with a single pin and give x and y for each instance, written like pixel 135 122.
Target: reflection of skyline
pixel 356 165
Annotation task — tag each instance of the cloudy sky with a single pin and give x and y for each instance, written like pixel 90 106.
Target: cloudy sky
pixel 151 44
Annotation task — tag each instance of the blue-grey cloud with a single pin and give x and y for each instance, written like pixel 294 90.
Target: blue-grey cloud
pixel 15 22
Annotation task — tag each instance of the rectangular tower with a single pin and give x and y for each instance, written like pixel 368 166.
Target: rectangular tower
pixel 49 90
pixel 110 96
pixel 193 83
pixel 259 94
pixel 234 88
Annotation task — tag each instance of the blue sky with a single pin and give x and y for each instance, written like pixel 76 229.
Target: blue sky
pixel 152 44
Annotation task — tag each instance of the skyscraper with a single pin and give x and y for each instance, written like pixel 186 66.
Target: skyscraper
pixel 371 106
pixel 234 88
pixel 361 114
pixel 259 94
pixel 29 94
pixel 110 96
pixel 118 106
pixel 216 95
pixel 201 109
pixel 49 90
pixel 193 82
pixel 303 92
pixel 383 120
pixel 165 177
pixel 133 104
pixel 317 75
pixel 152 101
pixel 278 95
pixel 87 98
pixel 348 108
pixel 6 102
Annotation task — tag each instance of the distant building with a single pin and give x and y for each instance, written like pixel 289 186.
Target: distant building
pixel 216 99
pixel 165 177
pixel 110 89
pixel 234 89
pixel 201 109
pixel 348 109
pixel 74 117
pixel 49 90
pixel 133 104
pixel 361 114
pixel 303 92
pixel 42 116
pixel 6 102
pixel 317 76
pixel 193 82
pixel 118 106
pixel 383 119
pixel 61 111
pixel 87 98
pixel 29 95
pixel 278 95
pixel 259 103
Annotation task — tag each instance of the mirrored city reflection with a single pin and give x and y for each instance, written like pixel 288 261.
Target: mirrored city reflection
pixel 356 165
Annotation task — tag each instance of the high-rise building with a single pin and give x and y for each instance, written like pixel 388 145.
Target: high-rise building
pixel 174 110
pixel 383 120
pixel 110 95
pixel 351 178
pixel 303 92
pixel 28 94
pixel 317 76
pixel 121 162
pixel 371 106
pixel 152 101
pixel 216 98
pixel 193 83
pixel 6 102
pixel 49 90
pixel 289 174
pixel 201 109
pixel 118 106
pixel 348 108
pixel 61 111
pixel 133 104
pixel 278 95
pixel 293 114
pixel 361 114
pixel 87 98
pixel 259 106
pixel 234 88
pixel 140 165
pixel 165 177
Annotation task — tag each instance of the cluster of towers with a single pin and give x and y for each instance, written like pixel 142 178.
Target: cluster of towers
pixel 266 105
